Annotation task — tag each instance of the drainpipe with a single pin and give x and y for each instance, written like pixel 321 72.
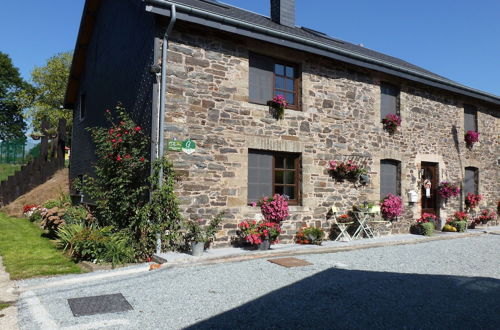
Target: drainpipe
pixel 163 84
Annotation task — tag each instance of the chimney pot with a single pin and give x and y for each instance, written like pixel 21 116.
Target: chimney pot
pixel 283 12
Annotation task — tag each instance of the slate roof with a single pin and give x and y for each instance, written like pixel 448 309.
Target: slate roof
pixel 223 9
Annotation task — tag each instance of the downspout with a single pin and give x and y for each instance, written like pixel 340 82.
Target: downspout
pixel 163 84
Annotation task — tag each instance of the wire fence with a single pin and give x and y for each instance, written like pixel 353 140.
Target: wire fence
pixel 17 152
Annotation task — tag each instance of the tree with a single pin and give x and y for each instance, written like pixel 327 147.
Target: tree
pixel 12 125
pixel 49 87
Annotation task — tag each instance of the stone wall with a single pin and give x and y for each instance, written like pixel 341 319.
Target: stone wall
pixel 207 101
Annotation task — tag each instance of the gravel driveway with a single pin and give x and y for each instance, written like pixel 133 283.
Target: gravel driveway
pixel 450 284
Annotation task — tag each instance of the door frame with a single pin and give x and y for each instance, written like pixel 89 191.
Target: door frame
pixel 434 185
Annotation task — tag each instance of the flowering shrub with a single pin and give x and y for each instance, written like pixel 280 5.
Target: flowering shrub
pixel 447 190
pixel 279 104
pixel 472 200
pixel 471 137
pixel 310 235
pixel 391 207
pixel 29 209
pixel 485 216
pixel 343 170
pixel 274 209
pixel 391 123
pixel 427 217
pixel 255 232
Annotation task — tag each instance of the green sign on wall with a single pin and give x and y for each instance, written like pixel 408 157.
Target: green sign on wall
pixel 188 146
pixel 174 145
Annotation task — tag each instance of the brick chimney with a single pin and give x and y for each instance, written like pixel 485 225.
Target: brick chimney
pixel 283 12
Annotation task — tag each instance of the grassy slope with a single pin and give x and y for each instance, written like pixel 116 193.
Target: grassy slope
pixel 27 254
pixel 7 169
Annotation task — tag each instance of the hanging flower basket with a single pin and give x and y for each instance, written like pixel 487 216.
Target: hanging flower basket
pixel 277 106
pixel 471 137
pixel 348 170
pixel 36 135
pixel 391 123
pixel 447 190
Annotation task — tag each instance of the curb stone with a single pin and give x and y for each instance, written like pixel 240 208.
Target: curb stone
pixel 8 316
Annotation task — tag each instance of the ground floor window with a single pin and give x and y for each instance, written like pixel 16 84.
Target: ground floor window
pixel 272 173
pixel 471 184
pixel 390 177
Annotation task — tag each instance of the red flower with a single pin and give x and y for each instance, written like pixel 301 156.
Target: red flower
pixel 120 140
pixel 118 158
pixel 122 123
pixel 107 111
pixel 128 156
pixel 118 135
pixel 142 159
pixel 114 141
pixel 111 131
pixel 138 128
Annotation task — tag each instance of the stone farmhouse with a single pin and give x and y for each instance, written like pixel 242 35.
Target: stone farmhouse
pixel 211 84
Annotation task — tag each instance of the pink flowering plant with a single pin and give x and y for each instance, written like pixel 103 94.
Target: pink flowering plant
pixel 471 137
pixel 391 123
pixel 447 190
pixel 345 170
pixel 256 232
pixel 278 104
pixel 459 221
pixel 274 209
pixel 391 207
pixel 472 201
pixel 425 224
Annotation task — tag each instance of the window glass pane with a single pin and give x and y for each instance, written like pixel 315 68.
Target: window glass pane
pixel 279 190
pixel 290 98
pixel 278 177
pixel 290 192
pixel 260 181
pixel 388 99
pixel 290 72
pixel 290 163
pixel 289 85
pixel 289 177
pixel 470 118
pixel 279 162
pixel 388 178
pixel 261 78
pixel 280 83
pixel 471 184
pixel 279 69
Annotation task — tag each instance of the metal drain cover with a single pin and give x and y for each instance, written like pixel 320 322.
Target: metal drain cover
pixel 290 262
pixel 109 303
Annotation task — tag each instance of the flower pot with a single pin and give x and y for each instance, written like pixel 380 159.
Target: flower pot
pixel 265 245
pixel 35 137
pixel 197 248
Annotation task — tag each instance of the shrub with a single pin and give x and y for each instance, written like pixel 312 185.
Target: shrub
pixel 310 235
pixel 391 207
pixel 197 232
pixel 427 228
pixel 255 233
pixel 75 214
pixel 425 225
pixel 459 221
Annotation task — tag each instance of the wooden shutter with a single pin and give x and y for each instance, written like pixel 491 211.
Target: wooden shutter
pixel 261 78
pixel 388 99
pixel 470 118
pixel 260 175
pixel 471 180
pixel 389 172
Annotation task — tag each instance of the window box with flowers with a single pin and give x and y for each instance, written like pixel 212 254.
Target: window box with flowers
pixel 471 137
pixel 425 225
pixel 342 171
pixel 391 123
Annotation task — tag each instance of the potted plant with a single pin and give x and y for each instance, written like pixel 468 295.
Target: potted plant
pixel 425 225
pixel 446 190
pixel 459 221
pixel 347 170
pixel 51 133
pixel 344 218
pixel 277 106
pixel 310 235
pixel 391 123
pixel 471 137
pixel 200 235
pixel 274 209
pixel 364 207
pixel 391 207
pixel 472 201
pixel 485 216
pixel 261 234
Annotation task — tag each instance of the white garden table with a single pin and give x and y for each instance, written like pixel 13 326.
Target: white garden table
pixel 342 226
pixel 362 219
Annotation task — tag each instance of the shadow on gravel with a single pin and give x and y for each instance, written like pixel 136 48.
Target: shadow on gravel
pixel 351 299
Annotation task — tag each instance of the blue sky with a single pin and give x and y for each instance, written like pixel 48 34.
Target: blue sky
pixel 456 39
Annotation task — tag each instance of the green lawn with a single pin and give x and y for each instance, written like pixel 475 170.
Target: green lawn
pixel 7 169
pixel 27 254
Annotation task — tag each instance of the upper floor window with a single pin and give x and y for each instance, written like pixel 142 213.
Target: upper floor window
pixel 389 99
pixel 82 106
pixel 390 177
pixel 471 184
pixel 470 118
pixel 269 77
pixel 272 173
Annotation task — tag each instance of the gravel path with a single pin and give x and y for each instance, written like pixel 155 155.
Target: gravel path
pixel 441 284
